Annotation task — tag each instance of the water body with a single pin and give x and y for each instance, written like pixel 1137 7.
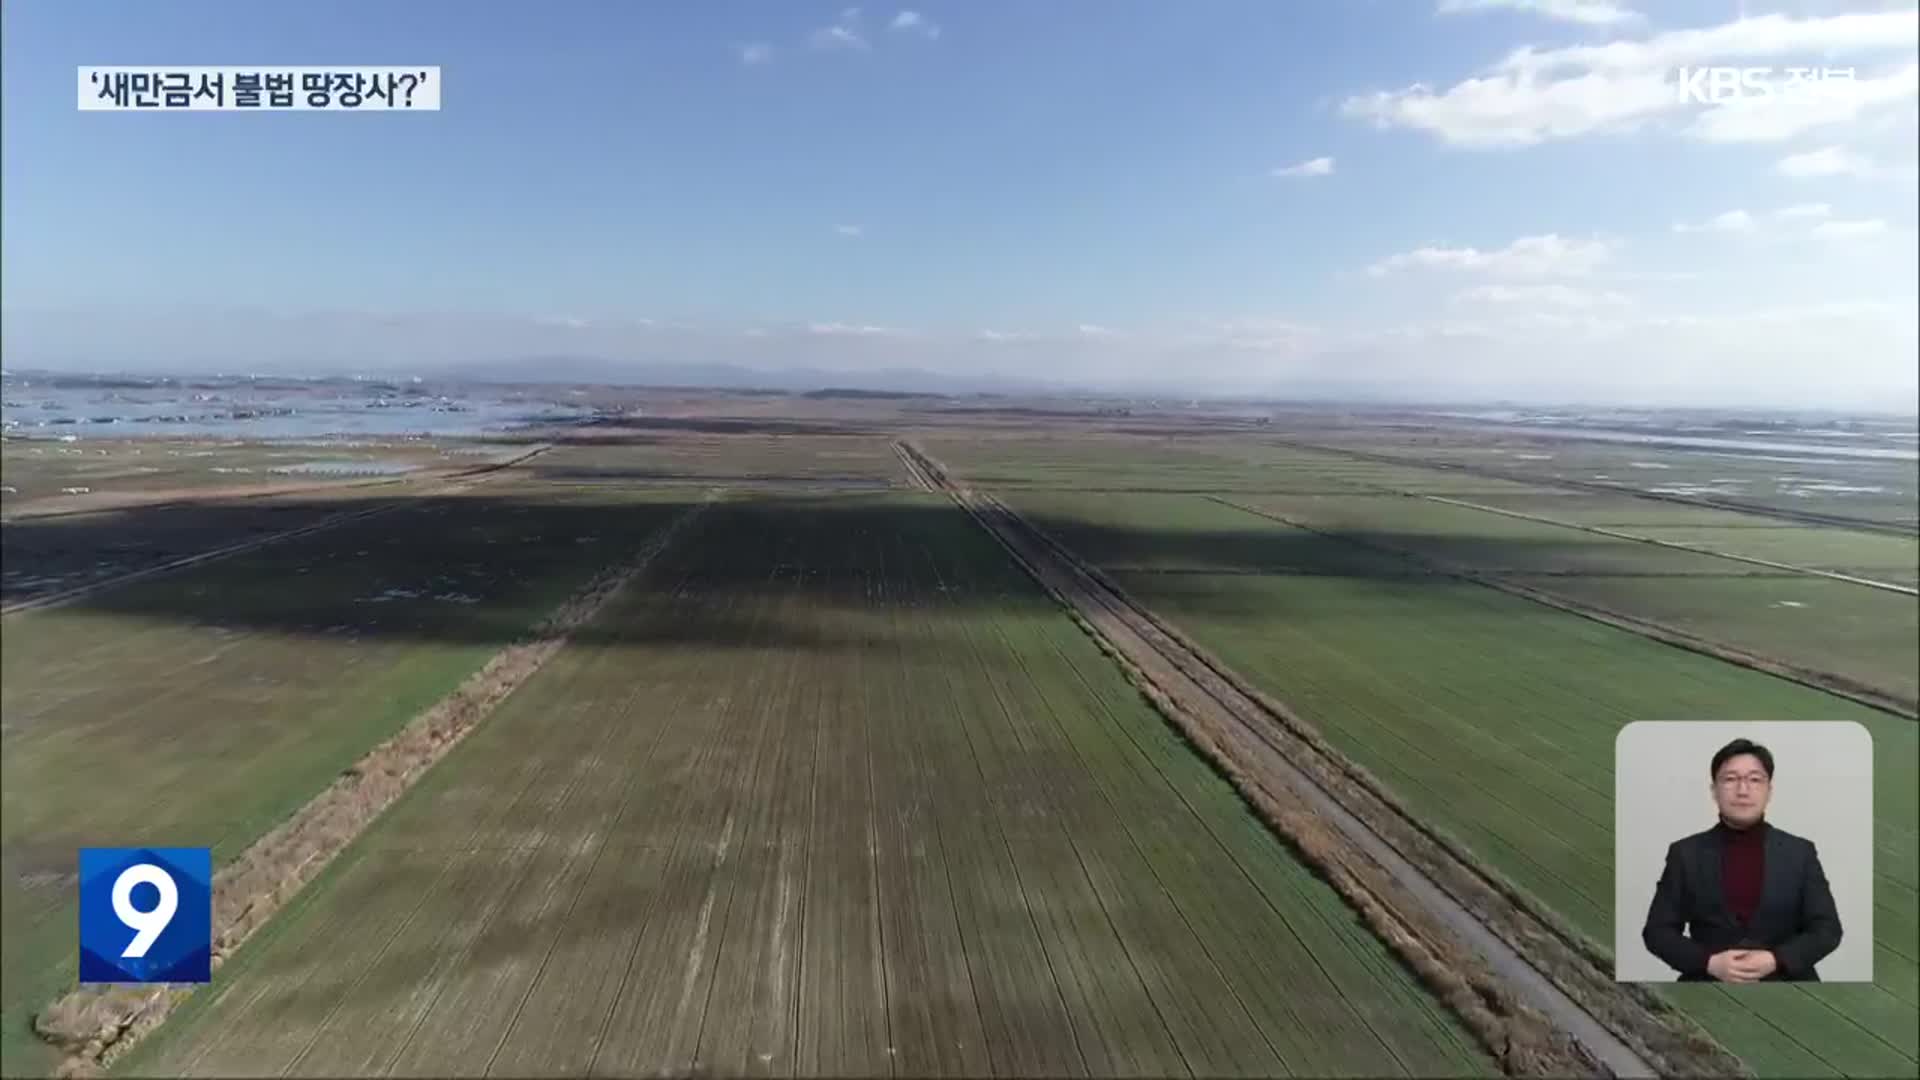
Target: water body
pixel 346 468
pixel 1638 438
pixel 54 406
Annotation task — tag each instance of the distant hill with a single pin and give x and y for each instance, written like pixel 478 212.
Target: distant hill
pixel 833 392
pixel 902 382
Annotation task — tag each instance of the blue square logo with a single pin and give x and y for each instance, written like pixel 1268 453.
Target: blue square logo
pixel 146 915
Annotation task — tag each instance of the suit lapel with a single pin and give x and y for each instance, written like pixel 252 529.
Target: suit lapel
pixel 1775 885
pixel 1712 853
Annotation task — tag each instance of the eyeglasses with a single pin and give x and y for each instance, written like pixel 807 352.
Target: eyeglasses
pixel 1734 780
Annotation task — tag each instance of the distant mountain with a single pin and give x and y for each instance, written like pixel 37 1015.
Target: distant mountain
pixel 601 371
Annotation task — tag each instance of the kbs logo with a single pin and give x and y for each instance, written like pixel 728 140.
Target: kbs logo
pixel 1789 86
pixel 146 915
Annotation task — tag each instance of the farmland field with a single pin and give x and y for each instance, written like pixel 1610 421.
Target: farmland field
pixel 38 471
pixel 204 706
pixel 1121 463
pixel 1866 635
pixel 1495 717
pixel 69 551
pixel 1882 491
pixel 833 790
pixel 624 457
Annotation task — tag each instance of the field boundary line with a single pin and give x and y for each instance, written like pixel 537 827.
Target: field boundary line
pixel 96 1025
pixel 81 592
pixel 220 495
pixel 458 481
pixel 1446 916
pixel 916 477
pixel 1823 681
pixel 1754 509
pixel 1675 545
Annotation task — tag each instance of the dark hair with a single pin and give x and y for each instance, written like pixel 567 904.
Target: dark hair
pixel 1738 747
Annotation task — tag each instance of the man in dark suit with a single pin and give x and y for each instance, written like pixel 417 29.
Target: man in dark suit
pixel 1743 901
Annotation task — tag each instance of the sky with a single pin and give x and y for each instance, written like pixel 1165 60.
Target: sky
pixel 1420 199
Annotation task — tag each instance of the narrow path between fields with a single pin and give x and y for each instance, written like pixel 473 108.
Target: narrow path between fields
pixel 108 501
pixel 916 476
pixel 1812 678
pixel 1541 997
pixel 1598 530
pixel 1736 506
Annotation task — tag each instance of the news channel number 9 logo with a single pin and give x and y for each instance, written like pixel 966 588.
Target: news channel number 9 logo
pixel 146 915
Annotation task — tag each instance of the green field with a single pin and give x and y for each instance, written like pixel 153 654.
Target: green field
pixel 616 457
pixel 1494 717
pixel 1870 555
pixel 1118 463
pixel 834 790
pixel 1866 635
pixel 40 469
pixel 1884 491
pixel 202 707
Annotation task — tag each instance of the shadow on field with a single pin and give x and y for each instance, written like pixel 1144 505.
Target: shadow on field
pixel 571 474
pixel 480 568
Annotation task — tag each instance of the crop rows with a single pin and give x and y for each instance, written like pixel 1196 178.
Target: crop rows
pixel 1880 491
pixel 1865 635
pixel 613 457
pixel 202 707
pixel 1495 717
pixel 835 790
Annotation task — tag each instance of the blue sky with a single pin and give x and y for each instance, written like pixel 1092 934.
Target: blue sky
pixel 1090 190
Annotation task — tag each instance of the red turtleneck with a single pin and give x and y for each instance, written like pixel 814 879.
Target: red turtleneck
pixel 1743 868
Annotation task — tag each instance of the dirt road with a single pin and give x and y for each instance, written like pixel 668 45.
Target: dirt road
pixel 1543 999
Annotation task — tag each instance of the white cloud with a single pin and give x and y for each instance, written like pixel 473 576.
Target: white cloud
pixel 1548 255
pixel 1585 12
pixel 1559 296
pixel 1320 166
pixel 915 23
pixel 845 33
pixel 1733 221
pixel 1839 230
pixel 757 52
pixel 837 37
pixel 1837 161
pixel 840 329
pixel 1533 94
pixel 1805 210
pixel 855 231
pixel 1095 330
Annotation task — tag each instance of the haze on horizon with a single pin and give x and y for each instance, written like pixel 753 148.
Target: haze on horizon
pixel 1403 199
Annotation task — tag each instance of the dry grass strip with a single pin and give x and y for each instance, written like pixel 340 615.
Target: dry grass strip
pixel 1580 967
pixel 1572 963
pixel 94 1025
pixel 1523 1041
